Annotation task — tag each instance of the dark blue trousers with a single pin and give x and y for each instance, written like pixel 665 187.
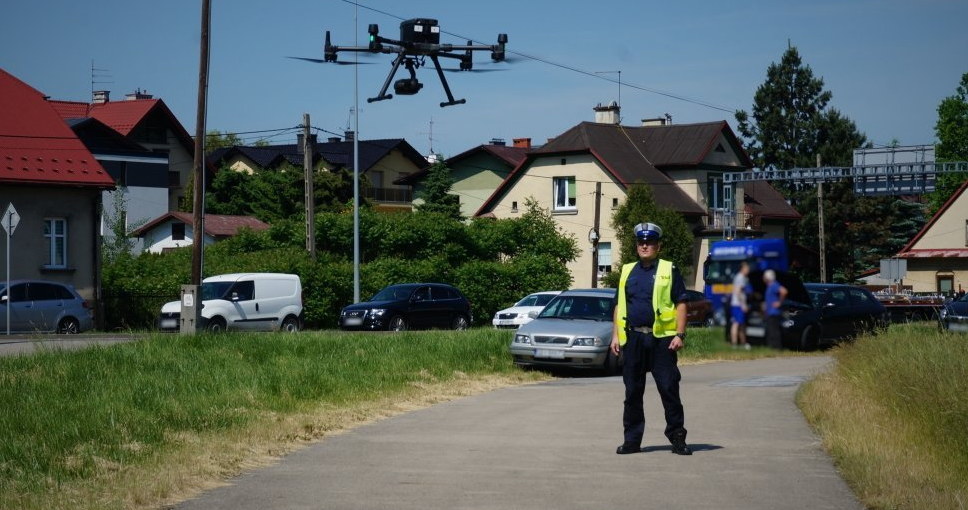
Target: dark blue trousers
pixel 643 353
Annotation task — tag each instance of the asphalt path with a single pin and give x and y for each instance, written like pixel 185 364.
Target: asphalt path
pixel 14 345
pixel 552 445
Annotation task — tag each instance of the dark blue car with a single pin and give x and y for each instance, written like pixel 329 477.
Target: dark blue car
pixel 954 315
pixel 409 306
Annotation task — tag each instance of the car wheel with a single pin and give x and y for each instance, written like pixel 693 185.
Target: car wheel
pixel 397 323
pixel 69 326
pixel 290 324
pixel 810 338
pixel 216 325
pixel 460 323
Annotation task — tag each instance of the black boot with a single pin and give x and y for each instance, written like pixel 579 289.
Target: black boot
pixel 628 448
pixel 679 446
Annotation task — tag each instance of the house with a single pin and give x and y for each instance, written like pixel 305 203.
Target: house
pixel 683 164
pixel 141 176
pixel 476 172
pixel 381 162
pixel 54 183
pixel 148 122
pixel 937 257
pixel 176 229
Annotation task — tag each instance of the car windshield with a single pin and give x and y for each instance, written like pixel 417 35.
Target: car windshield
pixel 535 300
pixel 393 293
pixel 598 308
pixel 215 290
pixel 722 271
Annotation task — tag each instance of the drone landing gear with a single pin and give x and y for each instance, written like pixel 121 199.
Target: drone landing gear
pixel 410 86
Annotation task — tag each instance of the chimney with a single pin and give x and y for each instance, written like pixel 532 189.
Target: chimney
pixel 348 135
pixel 299 142
pixel 607 114
pixel 498 141
pixel 138 94
pixel 524 143
pixel 665 120
pixel 333 139
pixel 101 96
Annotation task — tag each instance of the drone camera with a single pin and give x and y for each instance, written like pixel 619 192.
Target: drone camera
pixel 407 86
pixel 420 30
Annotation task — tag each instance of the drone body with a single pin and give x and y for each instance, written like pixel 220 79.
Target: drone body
pixel 419 40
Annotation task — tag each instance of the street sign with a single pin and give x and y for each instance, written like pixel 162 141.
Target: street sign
pixel 10 219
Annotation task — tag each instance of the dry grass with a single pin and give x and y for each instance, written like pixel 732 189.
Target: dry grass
pixel 885 449
pixel 202 462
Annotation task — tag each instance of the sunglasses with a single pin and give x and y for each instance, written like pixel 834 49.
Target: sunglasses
pixel 650 242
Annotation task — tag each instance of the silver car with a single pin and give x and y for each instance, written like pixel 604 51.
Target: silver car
pixel 574 330
pixel 40 306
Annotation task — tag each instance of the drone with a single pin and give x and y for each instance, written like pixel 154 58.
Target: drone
pixel 419 40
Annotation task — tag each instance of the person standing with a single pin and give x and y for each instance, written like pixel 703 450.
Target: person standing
pixel 739 307
pixel 649 328
pixel 772 300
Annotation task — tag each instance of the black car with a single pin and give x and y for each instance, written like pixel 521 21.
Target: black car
pixel 954 314
pixel 817 314
pixel 409 306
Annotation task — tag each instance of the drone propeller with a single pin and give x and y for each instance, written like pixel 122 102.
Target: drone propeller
pixel 339 62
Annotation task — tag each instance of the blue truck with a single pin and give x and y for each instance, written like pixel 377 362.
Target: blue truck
pixel 724 261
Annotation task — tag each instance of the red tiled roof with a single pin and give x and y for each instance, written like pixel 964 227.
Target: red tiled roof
pixel 36 146
pixel 937 253
pixel 216 225
pixel 123 116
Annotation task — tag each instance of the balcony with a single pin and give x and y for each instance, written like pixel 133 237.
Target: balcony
pixel 389 195
pixel 716 219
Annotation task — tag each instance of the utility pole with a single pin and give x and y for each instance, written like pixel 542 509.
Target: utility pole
pixel 309 195
pixel 820 234
pixel 189 293
pixel 594 235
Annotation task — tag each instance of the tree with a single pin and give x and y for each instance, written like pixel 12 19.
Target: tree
pixel 783 131
pixel 215 140
pixel 952 132
pixel 640 207
pixel 119 242
pixel 436 194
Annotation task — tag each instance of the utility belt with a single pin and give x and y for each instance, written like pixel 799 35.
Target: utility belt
pixel 638 329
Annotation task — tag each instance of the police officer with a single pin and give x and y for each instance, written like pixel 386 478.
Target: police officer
pixel 649 328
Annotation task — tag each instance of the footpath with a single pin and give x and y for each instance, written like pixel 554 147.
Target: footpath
pixel 552 446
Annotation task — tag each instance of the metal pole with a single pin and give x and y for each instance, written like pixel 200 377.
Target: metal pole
pixel 598 207
pixel 823 256
pixel 9 240
pixel 356 170
pixel 309 197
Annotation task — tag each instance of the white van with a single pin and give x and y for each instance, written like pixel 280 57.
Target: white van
pixel 244 302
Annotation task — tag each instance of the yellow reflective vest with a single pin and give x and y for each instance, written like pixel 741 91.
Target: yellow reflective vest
pixel 665 309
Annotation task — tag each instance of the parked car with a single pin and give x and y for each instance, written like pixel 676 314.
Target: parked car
pixel 244 302
pixel 524 311
pixel 954 314
pixel 699 309
pixel 409 306
pixel 574 330
pixel 41 306
pixel 817 314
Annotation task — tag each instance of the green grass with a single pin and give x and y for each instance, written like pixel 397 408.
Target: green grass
pixel 894 414
pixel 137 424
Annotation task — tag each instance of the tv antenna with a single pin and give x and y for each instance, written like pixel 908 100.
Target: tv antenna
pixel 96 73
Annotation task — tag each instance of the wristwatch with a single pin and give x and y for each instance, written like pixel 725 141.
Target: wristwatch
pixel 681 335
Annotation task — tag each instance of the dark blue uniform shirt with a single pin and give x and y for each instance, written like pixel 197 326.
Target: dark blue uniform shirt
pixel 638 294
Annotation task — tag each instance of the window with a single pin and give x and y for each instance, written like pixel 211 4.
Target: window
pixel 376 179
pixel 55 240
pixel 565 193
pixel 614 203
pixel 714 191
pixel 177 231
pixel 514 206
pixel 966 232
pixel 604 258
pixel 946 282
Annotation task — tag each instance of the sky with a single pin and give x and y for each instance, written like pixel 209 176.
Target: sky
pixel 888 63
